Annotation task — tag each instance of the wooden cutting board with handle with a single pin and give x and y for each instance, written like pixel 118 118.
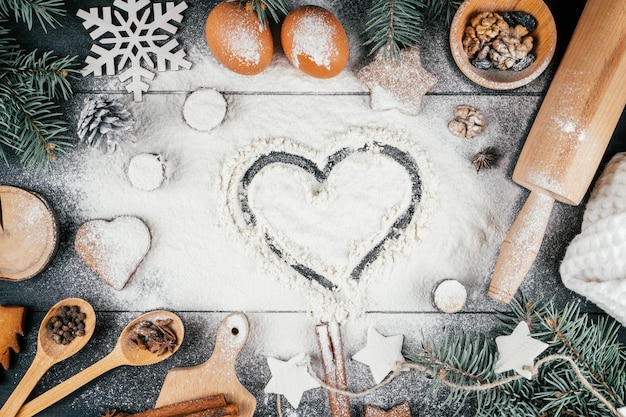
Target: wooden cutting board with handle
pixel 569 135
pixel 215 376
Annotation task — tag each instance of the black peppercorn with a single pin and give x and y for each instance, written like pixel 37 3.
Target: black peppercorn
pixel 68 325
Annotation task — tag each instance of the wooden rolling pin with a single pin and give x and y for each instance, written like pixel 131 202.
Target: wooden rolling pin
pixel 569 136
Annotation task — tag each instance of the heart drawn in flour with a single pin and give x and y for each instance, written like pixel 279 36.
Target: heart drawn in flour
pixel 113 249
pixel 363 217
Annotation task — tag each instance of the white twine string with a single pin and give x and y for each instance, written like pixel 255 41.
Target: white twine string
pixel 400 366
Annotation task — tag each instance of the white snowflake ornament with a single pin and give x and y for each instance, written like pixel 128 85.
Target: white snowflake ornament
pixel 518 351
pixel 135 36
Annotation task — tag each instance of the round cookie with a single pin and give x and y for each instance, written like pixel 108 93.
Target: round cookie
pixel 146 171
pixel 449 296
pixel 204 109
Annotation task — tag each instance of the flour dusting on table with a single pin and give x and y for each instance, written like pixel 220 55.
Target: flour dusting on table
pixel 199 263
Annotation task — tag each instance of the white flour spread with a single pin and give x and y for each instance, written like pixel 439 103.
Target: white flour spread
pixel 203 259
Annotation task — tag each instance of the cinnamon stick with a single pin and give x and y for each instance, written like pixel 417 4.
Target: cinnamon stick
pixel 331 349
pixel 212 402
pixel 230 410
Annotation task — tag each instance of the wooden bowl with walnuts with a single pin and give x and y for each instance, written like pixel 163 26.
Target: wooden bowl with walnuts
pixel 502 44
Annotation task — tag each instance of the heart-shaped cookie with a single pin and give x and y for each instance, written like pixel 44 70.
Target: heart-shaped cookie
pixel 113 249
pixel 278 193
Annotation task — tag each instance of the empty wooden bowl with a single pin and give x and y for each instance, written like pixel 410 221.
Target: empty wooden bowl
pixel 544 42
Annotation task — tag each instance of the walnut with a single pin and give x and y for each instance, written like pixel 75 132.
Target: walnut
pixel 468 122
pixel 471 43
pixel 483 28
pixel 507 50
pixel 490 37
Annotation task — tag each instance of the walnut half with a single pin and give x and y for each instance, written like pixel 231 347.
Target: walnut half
pixel 468 122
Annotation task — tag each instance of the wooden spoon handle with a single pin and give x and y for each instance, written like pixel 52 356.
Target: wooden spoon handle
pixel 40 365
pixel 520 247
pixel 45 400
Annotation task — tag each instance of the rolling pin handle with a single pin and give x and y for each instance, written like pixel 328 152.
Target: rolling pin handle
pixel 520 247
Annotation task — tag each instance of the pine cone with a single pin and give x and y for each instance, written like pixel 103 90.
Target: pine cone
pixel 104 124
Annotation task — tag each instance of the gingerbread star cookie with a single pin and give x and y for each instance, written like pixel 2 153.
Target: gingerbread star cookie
pixel 400 410
pixel 400 85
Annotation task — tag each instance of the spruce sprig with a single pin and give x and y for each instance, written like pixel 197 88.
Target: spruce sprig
pixel 262 7
pixel 441 10
pixel 45 73
pixel 31 123
pixel 28 10
pixel 461 361
pixel 593 344
pixel 391 25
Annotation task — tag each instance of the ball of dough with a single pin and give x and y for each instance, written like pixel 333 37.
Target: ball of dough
pixel 450 296
pixel 204 109
pixel 146 171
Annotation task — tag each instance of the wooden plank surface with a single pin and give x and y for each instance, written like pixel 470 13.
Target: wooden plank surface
pixel 136 389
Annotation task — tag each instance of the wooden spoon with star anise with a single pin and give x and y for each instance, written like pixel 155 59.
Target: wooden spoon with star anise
pixel 150 338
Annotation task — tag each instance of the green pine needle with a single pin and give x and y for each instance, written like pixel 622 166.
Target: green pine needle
pixel 31 123
pixel 465 360
pixel 391 25
pixel 441 10
pixel 262 7
pixel 28 10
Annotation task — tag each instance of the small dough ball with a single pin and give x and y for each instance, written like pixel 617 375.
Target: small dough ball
pixel 449 296
pixel 314 41
pixel 204 109
pixel 146 171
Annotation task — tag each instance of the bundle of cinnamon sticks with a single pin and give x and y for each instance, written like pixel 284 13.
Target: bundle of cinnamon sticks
pixel 210 406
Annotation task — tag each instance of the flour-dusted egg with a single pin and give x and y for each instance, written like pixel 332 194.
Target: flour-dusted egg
pixel 314 41
pixel 237 38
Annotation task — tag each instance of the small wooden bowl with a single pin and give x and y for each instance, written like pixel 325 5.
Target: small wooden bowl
pixel 544 42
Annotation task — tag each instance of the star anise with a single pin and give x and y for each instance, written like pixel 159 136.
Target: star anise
pixel 157 337
pixel 484 159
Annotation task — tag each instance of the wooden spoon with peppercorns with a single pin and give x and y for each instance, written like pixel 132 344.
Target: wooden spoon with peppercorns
pixel 49 350
pixel 148 339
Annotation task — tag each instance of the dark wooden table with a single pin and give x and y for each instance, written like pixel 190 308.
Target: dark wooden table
pixel 136 389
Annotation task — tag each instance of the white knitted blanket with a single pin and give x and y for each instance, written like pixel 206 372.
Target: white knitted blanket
pixel 595 261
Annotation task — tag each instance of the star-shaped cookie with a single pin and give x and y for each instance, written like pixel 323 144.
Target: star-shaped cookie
pixel 518 351
pixel 400 85
pixel 381 354
pixel 290 378
pixel 400 410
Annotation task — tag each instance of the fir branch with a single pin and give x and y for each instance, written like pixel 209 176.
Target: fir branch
pixel 31 125
pixel 263 7
pixel 27 10
pixel 392 25
pixel 594 346
pixel 46 73
pixel 441 9
pixel 464 363
pixel 582 374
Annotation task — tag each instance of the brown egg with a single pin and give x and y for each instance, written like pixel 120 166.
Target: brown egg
pixel 237 39
pixel 314 41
